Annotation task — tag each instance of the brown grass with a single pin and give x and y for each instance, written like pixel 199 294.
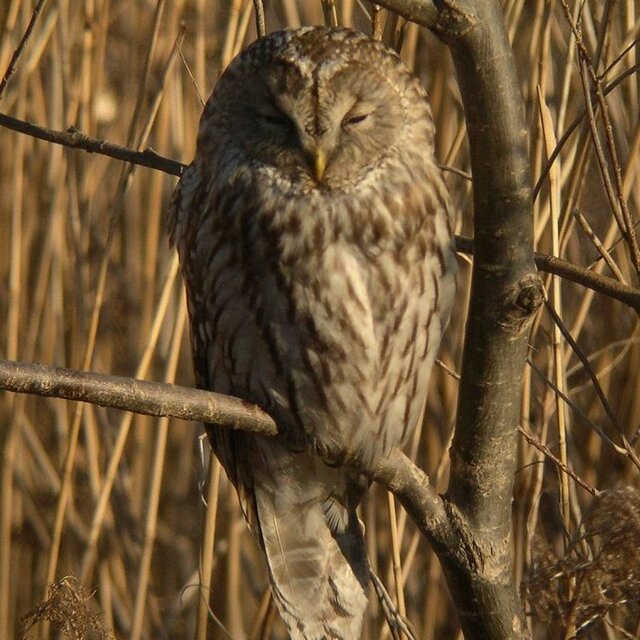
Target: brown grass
pixel 87 280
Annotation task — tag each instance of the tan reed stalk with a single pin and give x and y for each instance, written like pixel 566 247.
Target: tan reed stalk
pixel 157 470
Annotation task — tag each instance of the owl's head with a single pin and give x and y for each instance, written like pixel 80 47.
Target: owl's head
pixel 319 107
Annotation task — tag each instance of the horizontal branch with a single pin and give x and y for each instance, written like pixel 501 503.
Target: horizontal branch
pixel 569 271
pixel 139 396
pixel 78 140
pixel 590 279
pixel 397 473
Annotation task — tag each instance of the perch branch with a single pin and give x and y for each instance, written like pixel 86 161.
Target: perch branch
pixel 397 473
pixel 139 396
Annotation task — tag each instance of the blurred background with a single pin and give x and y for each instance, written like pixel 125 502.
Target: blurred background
pixel 119 525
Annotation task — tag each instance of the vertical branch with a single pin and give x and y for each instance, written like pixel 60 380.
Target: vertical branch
pixel 505 293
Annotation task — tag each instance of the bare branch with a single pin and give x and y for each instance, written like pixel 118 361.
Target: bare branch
pixel 580 275
pixel 549 454
pixel 587 278
pixel 139 396
pixel 13 63
pixel 397 473
pixel 78 140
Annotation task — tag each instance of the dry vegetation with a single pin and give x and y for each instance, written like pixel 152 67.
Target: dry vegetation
pixel 87 280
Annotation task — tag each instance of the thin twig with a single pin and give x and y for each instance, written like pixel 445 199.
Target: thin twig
pixel 597 243
pixel 616 82
pixel 587 366
pixel 576 408
pixel 616 199
pixel 193 80
pixel 78 140
pixel 547 452
pixel 13 63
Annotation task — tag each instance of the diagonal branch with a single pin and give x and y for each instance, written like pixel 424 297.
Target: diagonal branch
pixel 13 63
pixel 78 140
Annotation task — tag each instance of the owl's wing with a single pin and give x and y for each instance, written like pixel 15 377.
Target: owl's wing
pixel 183 225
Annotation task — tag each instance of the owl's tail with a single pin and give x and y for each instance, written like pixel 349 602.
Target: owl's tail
pixel 314 547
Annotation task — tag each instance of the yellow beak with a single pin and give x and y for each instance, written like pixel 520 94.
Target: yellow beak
pixel 319 163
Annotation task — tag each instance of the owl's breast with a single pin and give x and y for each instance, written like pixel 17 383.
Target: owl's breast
pixel 360 337
pixel 324 309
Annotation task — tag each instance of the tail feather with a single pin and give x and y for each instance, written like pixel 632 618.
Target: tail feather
pixel 317 564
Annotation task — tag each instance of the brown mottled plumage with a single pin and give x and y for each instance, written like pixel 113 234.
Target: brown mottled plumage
pixel 314 233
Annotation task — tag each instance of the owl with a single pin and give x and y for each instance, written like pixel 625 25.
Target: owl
pixel 314 231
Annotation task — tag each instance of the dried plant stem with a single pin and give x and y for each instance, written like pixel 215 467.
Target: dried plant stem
pixel 207 549
pixel 261 26
pixel 575 123
pixel 157 471
pixel 142 86
pixel 563 468
pixel 72 443
pixel 395 555
pixel 123 431
pixel 558 352
pixel 231 33
pixel 11 441
pixel 330 13
pixel 597 243
pixel 617 201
